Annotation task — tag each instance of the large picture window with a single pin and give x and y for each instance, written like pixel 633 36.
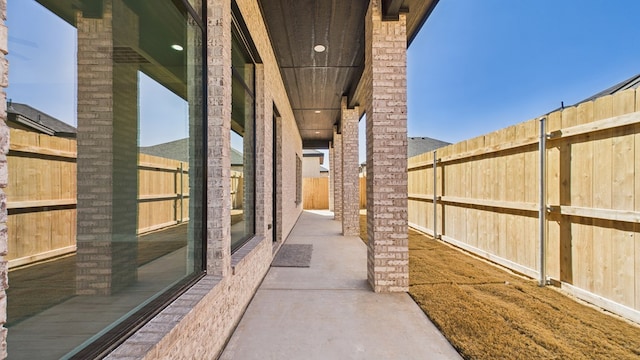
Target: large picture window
pixel 106 206
pixel 242 151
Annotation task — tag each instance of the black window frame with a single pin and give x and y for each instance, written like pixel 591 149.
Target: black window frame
pixel 240 31
pixel 114 337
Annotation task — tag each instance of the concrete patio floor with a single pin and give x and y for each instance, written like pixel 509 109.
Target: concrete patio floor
pixel 328 311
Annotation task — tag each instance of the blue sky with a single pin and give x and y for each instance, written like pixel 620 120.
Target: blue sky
pixel 475 67
pixel 42 71
pixel 479 66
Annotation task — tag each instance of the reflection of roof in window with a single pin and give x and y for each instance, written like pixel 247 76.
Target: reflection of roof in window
pixel 38 121
pixel 176 150
pixel 179 150
pixel 236 158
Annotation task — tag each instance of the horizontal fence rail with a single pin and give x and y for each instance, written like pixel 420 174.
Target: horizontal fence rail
pixel 484 195
pixel 42 200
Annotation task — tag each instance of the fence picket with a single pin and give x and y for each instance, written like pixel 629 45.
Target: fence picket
pixel 593 188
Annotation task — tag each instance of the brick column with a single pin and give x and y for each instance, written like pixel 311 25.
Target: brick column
pixel 4 175
pixel 219 137
pixel 337 172
pixel 264 156
pixel 385 63
pixel 107 178
pixel 350 179
pixel 331 176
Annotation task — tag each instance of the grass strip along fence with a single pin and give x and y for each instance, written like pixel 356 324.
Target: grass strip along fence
pixel 484 196
pixel 488 313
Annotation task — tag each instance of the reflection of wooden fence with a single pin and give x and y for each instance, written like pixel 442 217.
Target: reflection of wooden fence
pixel 163 192
pixel 487 197
pixel 237 189
pixel 316 193
pixel 41 195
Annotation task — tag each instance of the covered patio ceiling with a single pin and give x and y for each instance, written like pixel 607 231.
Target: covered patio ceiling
pixel 316 81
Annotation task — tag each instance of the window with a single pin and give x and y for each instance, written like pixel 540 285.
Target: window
pixel 242 151
pixel 107 227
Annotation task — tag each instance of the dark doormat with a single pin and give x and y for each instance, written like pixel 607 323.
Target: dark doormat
pixel 293 255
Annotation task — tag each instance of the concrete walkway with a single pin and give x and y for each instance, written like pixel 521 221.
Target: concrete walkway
pixel 328 311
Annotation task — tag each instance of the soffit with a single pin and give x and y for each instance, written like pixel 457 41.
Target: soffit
pixel 161 24
pixel 316 82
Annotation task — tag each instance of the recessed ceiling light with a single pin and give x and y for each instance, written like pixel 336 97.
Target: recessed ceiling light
pixel 319 48
pixel 177 47
pixel 317 132
pixel 317 111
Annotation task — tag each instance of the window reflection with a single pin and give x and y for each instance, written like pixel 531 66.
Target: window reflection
pixel 104 210
pixel 242 146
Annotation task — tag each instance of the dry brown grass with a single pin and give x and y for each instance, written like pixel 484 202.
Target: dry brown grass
pixel 489 313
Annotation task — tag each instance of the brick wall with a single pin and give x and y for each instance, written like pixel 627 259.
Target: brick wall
pixel 337 175
pixel 386 109
pixel 219 127
pixel 331 177
pixel 4 149
pixel 198 323
pixel 350 170
pixel 276 94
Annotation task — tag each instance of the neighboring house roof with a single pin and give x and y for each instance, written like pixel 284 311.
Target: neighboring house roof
pixel 236 158
pixel 421 145
pixel 630 83
pixel 176 150
pixel 179 150
pixel 37 120
pixel 313 153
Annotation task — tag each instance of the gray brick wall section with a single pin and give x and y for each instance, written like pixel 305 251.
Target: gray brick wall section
pixel 331 176
pixel 337 172
pixel 264 156
pixel 4 149
pixel 350 169
pixel 386 109
pixel 219 127
pixel 198 323
pixel 277 222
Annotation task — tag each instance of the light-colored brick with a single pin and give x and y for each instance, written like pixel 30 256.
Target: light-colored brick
pixel 199 322
pixel 384 85
pixel 350 168
pixel 337 175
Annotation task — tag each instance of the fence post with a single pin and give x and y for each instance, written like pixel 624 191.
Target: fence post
pixel 542 212
pixel 435 195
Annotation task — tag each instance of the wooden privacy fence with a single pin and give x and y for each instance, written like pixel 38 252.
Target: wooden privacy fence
pixel 316 193
pixel 41 195
pixel 484 196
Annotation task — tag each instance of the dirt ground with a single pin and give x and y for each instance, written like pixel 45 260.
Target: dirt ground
pixel 488 313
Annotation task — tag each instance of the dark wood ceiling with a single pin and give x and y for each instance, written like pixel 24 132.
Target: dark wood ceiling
pixel 316 81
